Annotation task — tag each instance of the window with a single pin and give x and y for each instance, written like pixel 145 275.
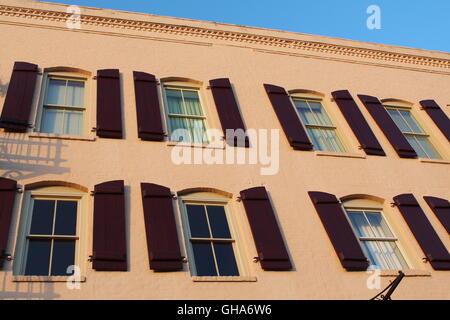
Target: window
pixel 318 125
pixel 412 131
pixel 63 105
pixel 209 237
pixel 185 111
pixel 377 240
pixel 49 234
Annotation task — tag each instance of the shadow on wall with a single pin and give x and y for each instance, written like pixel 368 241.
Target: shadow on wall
pixel 3 89
pixel 26 290
pixel 21 158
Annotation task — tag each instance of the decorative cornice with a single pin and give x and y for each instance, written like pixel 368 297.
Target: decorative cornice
pixel 249 38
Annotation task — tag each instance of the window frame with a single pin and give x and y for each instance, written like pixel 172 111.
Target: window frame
pixel 23 234
pixel 208 198
pixel 67 76
pixel 182 85
pixel 315 97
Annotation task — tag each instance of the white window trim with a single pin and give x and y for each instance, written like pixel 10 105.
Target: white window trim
pixel 57 193
pixel 206 198
pixel 86 132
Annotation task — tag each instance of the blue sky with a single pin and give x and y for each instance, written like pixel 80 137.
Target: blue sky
pixel 410 23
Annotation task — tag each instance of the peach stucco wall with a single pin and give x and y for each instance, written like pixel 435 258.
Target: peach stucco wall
pixel 317 273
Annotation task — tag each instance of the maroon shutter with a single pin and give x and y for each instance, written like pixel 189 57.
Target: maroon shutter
pixel 437 115
pixel 228 110
pixel 388 126
pixel 109 113
pixel 147 107
pixel 8 189
pixel 423 231
pixel 289 120
pixel 272 251
pixel 162 236
pixel 441 208
pixel 358 123
pixel 19 98
pixel 110 243
pixel 339 230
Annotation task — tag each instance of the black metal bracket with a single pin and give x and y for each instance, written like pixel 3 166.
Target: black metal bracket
pixel 392 286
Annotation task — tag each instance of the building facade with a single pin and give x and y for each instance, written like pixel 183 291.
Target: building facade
pixel 102 197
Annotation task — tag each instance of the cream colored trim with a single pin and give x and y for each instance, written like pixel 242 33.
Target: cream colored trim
pixel 227 35
pixel 339 154
pixel 224 279
pixel 45 279
pixel 41 135
pixel 440 161
pixel 407 272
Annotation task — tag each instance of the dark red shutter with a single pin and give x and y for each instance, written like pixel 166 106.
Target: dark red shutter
pixel 19 98
pixel 109 110
pixel 160 226
pixel 228 110
pixel 437 115
pixel 423 231
pixel 110 243
pixel 147 107
pixel 272 251
pixel 441 208
pixel 339 230
pixel 358 123
pixel 388 126
pixel 8 189
pixel 288 117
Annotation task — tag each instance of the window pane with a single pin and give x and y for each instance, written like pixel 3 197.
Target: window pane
pixel 63 255
pixel 226 261
pixel 427 147
pixel 192 103
pixel 176 123
pixel 197 130
pixel 333 141
pixel 317 139
pixel 392 255
pixel 360 224
pixel 174 101
pixel 52 121
pixel 73 122
pixel 38 258
pixel 75 93
pixel 305 112
pixel 204 259
pixel 197 221
pixel 320 113
pixel 401 124
pixel 56 92
pixel 375 255
pixel 66 218
pixel 379 225
pixel 42 218
pixel 218 222
pixel 413 142
pixel 411 121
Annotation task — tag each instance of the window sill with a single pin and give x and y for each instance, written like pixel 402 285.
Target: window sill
pixel 195 145
pixel 442 161
pixel 223 279
pixel 45 279
pixel 60 136
pixel 339 154
pixel 407 272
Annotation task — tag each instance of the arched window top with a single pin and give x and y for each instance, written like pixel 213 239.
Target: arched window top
pixel 203 192
pixel 305 93
pixel 397 102
pixel 68 71
pixel 362 201
pixel 181 81
pixel 41 185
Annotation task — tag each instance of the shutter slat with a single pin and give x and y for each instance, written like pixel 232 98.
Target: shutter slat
pixel 288 118
pixel 161 230
pixel 423 231
pixel 147 107
pixel 19 98
pixel 437 115
pixel 358 123
pixel 339 230
pixel 228 109
pixel 109 113
pixel 8 189
pixel 269 242
pixel 441 208
pixel 388 126
pixel 109 240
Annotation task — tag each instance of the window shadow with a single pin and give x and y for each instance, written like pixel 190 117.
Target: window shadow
pixel 25 290
pixel 3 88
